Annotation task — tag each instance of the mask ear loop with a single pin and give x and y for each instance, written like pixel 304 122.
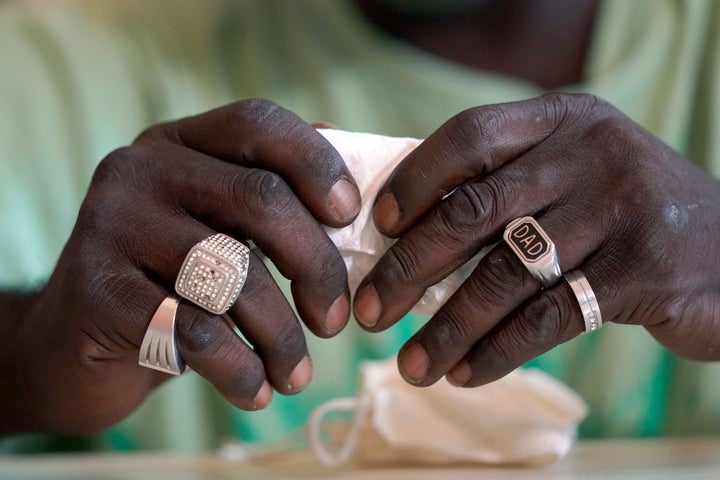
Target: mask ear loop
pixel 361 406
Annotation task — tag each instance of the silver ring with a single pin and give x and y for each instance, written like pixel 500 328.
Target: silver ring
pixel 586 299
pixel 213 273
pixel 159 346
pixel 535 250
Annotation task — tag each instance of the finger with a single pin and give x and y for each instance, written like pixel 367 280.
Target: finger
pixel 268 322
pixel 547 320
pixel 469 146
pixel 211 348
pixel 497 287
pixel 259 134
pixel 245 202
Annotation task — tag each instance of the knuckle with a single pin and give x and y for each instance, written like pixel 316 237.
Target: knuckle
pixel 263 194
pixel 502 348
pixel 324 267
pixel 558 106
pixel 473 206
pixel 465 210
pixel 545 321
pixel 472 132
pixel 154 133
pixel 112 200
pixel 250 112
pixel 288 346
pixel 624 136
pixel 456 327
pixel 243 379
pixel 479 123
pixel 403 263
pixel 117 165
pixel 502 274
pixel 100 209
pixel 198 332
pixel 330 267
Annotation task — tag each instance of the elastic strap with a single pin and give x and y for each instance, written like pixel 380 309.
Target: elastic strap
pixel 361 406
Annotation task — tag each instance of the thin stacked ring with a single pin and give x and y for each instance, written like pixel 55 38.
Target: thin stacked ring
pixel 586 299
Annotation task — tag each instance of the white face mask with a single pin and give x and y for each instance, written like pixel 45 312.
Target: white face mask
pixel 525 418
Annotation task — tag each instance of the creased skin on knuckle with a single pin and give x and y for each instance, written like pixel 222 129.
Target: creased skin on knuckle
pixel 253 120
pixel 564 110
pixel 253 111
pixel 548 318
pixel 100 210
pixel 538 328
pixel 159 132
pixel 198 333
pixel 287 349
pixel 324 273
pixel 472 134
pixel 466 210
pixel 479 124
pixel 470 213
pixel 455 328
pixel 501 277
pixel 499 355
pixel 264 195
pixel 330 267
pixel 402 263
pixel 116 165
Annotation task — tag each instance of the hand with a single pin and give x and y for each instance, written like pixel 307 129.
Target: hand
pixel 251 170
pixel 636 217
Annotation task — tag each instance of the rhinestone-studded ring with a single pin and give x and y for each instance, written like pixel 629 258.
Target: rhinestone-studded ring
pixel 213 273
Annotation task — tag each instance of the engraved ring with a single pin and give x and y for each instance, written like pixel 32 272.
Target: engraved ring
pixel 586 299
pixel 159 346
pixel 535 250
pixel 213 273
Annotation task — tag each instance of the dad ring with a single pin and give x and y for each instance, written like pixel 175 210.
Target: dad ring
pixel 534 249
pixel 586 299
pixel 213 273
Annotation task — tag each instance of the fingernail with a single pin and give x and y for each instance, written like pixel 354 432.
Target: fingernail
pixel 386 212
pixel 263 397
pixel 460 374
pixel 344 200
pixel 414 363
pixel 367 306
pixel 337 314
pixel 300 376
pixel 324 124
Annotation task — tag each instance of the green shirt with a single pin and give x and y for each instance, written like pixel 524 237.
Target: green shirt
pixel 80 78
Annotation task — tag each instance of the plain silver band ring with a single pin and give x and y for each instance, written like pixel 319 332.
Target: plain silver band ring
pixel 586 299
pixel 536 251
pixel 159 346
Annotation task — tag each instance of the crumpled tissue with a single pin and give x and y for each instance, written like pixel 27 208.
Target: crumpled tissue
pixel 371 159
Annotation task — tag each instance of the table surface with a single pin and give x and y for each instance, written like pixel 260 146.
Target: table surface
pixel 688 458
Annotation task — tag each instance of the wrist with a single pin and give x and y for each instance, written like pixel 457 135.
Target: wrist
pixel 16 411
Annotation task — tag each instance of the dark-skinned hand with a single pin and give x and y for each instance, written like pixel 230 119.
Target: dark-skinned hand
pixel 251 170
pixel 636 217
